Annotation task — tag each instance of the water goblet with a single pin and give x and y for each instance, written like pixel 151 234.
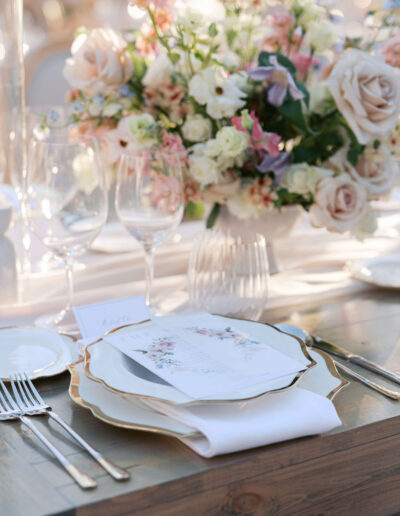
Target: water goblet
pixel 149 200
pixel 67 204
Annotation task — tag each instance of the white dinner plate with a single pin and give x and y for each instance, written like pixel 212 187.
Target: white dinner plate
pixel 129 412
pixel 121 374
pixel 383 271
pixel 37 351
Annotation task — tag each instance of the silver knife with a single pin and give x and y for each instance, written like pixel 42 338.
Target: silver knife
pixel 339 352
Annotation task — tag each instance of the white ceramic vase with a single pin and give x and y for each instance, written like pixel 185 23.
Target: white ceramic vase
pixel 273 225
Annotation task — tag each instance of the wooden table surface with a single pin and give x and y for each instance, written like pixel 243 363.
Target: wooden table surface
pixel 352 470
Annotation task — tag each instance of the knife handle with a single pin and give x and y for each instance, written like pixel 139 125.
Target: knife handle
pixel 394 395
pixel 375 368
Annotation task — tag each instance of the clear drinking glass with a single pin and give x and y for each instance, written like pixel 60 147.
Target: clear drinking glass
pixel 67 203
pixel 149 201
pixel 228 275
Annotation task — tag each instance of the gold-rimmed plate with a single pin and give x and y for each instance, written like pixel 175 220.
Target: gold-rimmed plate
pixel 131 413
pixel 37 351
pixel 122 375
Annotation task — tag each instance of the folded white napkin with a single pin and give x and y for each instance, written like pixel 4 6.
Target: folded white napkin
pixel 239 426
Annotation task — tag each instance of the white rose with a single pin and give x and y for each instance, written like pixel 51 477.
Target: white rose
pixel 160 70
pixel 135 131
pixel 340 204
pixel 321 35
pixel 197 128
pixel 367 93
pixel 203 170
pixel 302 178
pixel 366 227
pixel 99 63
pixel 376 170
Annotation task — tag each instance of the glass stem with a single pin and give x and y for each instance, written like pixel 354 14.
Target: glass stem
pixel 68 264
pixel 149 272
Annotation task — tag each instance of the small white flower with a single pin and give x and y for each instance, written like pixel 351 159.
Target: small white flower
pixel 160 70
pixel 302 178
pixel 112 109
pixel 319 96
pixel 137 128
pixel 321 35
pixel 197 128
pixel 190 19
pixel 213 88
pixel 203 169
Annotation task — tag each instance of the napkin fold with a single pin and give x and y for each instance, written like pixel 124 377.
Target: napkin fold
pixel 237 426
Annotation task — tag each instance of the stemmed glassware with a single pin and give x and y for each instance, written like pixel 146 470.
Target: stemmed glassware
pixel 149 200
pixel 67 203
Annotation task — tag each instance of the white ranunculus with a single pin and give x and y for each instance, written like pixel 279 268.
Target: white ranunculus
pixel 231 142
pixel 340 204
pixel 136 131
pixel 241 206
pixel 99 62
pixel 302 178
pixel 197 128
pixel 203 169
pixel 213 88
pixel 308 11
pixel 367 93
pixel 82 167
pixel 321 35
pixel 159 70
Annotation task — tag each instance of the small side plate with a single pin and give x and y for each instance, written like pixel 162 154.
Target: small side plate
pixel 37 351
pixel 383 271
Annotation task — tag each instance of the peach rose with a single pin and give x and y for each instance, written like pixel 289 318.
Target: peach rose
pixel 367 93
pixel 99 62
pixel 391 50
pixel 340 204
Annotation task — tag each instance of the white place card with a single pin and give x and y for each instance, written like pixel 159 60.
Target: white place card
pixel 206 358
pixel 96 319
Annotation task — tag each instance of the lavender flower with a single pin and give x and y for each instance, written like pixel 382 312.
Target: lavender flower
pixel 277 81
pixel 126 92
pixel 276 165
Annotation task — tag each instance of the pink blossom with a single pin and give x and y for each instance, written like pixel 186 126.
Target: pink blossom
pixel 168 97
pixel 302 62
pixel 391 50
pixel 173 148
pixel 167 194
pixel 259 140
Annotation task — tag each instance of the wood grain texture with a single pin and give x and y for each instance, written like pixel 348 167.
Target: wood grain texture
pixel 354 469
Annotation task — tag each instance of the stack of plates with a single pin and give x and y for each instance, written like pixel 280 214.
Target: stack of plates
pixel 115 388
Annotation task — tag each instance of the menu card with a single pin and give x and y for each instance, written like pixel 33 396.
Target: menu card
pixel 205 356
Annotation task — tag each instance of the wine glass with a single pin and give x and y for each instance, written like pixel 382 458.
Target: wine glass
pixel 67 203
pixel 149 200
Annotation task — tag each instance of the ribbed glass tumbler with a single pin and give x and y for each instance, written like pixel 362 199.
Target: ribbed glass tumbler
pixel 228 275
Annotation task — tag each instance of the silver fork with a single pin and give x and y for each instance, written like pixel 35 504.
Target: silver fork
pixel 30 402
pixel 10 410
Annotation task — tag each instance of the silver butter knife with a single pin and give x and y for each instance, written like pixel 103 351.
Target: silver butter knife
pixel 339 352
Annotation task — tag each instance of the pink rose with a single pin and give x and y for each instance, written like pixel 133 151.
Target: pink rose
pixel 173 148
pixel 99 63
pixel 340 204
pixel 391 50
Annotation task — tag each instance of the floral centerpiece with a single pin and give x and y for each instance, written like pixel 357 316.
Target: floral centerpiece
pixel 266 105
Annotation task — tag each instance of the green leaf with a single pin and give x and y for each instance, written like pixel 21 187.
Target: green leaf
pixel 304 90
pixel 230 37
pixel 212 30
pixel 353 155
pixel 213 215
pixel 264 60
pixel 292 110
pixel 174 57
